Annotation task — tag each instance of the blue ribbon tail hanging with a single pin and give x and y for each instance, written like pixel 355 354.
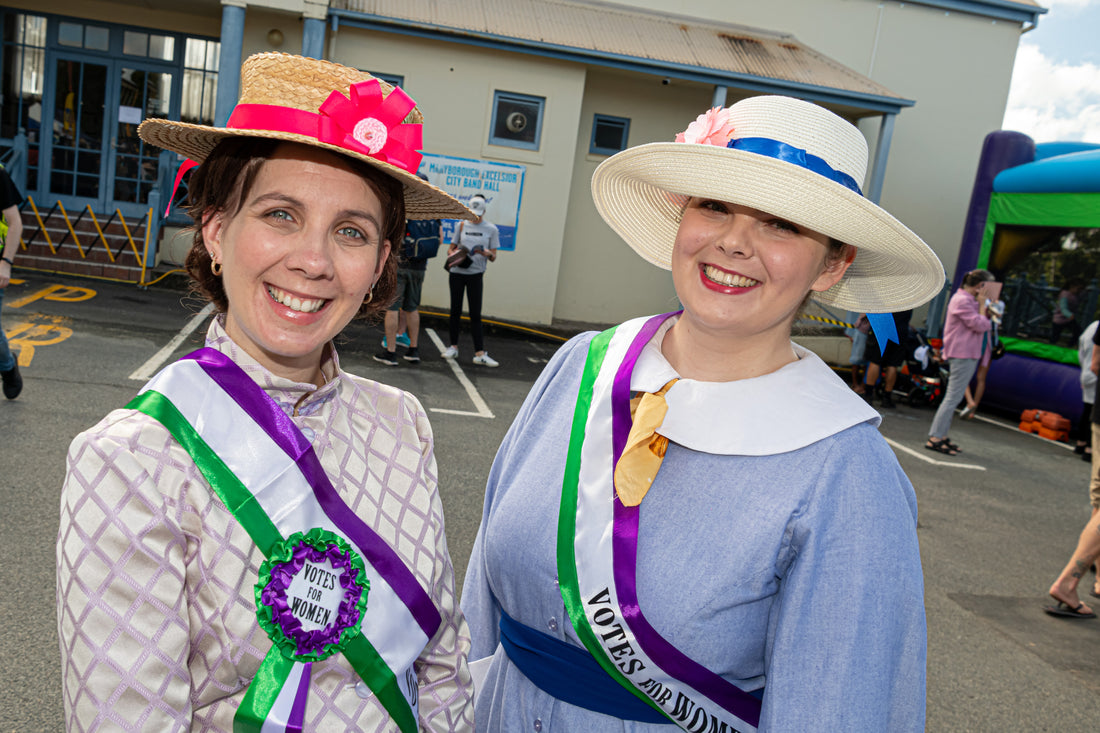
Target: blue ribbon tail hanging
pixel 884 328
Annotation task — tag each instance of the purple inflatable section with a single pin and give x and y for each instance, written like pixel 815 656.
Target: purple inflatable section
pixel 1016 383
pixel 1001 150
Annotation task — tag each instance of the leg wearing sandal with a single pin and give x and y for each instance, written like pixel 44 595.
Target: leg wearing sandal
pixel 941 446
pixel 961 372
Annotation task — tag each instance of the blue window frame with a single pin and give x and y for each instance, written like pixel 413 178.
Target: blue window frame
pixel 517 120
pixel 609 134
pixel 396 80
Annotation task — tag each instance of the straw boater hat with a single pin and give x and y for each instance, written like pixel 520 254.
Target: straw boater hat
pixel 326 105
pixel 788 158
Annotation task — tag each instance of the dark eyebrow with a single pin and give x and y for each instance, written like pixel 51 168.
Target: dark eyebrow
pixel 276 197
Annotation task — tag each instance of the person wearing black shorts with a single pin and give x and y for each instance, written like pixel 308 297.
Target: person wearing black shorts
pixel 886 361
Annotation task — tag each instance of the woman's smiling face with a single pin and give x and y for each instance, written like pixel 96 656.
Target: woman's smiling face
pixel 298 258
pixel 743 273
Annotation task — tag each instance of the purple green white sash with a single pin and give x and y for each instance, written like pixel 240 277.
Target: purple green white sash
pixel 597 553
pixel 368 605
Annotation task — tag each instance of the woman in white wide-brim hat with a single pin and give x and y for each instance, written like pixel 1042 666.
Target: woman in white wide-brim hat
pixel 256 541
pixel 767 576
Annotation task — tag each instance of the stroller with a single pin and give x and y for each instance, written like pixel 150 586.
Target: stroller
pixel 922 377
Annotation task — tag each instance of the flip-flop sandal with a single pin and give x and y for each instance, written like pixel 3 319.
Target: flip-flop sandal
pixel 941 446
pixel 1094 594
pixel 1067 611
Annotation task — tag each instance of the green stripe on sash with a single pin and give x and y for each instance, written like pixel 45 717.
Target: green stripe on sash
pixel 360 653
pixel 367 663
pixel 567 520
pixel 234 494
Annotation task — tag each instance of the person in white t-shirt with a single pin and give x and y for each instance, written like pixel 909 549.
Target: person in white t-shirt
pixel 481 239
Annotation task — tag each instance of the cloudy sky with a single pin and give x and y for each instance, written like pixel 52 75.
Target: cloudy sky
pixel 1055 93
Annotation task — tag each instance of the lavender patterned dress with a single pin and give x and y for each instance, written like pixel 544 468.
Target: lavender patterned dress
pixel 155 577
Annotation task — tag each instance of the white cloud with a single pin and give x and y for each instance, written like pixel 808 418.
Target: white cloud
pixel 1051 101
pixel 1052 4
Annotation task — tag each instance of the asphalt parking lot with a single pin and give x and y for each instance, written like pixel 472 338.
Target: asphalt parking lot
pixel 997 522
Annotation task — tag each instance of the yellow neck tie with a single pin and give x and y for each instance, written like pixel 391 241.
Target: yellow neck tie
pixel 644 451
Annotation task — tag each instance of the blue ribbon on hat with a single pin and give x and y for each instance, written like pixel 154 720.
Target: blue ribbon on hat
pixel 884 328
pixel 795 156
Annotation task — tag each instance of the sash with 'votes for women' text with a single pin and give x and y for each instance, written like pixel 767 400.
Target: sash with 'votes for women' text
pixel 598 552
pixel 329 583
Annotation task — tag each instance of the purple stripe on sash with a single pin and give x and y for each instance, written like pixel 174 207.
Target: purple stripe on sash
pixel 282 430
pixel 625 558
pixel 297 719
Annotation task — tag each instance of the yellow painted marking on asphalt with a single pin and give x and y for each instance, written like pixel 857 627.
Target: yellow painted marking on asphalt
pixel 56 292
pixel 26 336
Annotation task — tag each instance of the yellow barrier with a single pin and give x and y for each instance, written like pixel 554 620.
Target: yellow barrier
pixel 139 256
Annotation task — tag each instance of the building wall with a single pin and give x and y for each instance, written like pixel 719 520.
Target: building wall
pixel 454 86
pixel 130 13
pixel 955 66
pixel 601 279
pixel 568 264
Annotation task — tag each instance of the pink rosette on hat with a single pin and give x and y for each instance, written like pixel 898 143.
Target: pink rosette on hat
pixel 713 127
pixel 371 124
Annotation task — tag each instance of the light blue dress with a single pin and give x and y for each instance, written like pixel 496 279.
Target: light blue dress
pixel 790 563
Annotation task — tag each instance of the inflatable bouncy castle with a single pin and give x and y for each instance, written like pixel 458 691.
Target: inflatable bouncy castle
pixel 1034 221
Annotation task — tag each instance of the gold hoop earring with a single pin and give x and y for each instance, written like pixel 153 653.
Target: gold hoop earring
pixel 370 295
pixel 216 268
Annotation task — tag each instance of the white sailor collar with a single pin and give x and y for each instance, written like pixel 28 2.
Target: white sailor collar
pixel 790 408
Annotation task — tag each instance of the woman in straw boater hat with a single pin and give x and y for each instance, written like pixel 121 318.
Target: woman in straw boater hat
pixel 256 540
pixel 767 576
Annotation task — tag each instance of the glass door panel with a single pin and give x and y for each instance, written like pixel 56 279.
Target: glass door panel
pixel 78 127
pixel 143 95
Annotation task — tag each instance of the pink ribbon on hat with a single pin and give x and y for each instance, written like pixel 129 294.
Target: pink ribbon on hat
pixel 367 123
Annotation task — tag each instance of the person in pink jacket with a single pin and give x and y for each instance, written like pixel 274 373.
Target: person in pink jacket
pixel 965 337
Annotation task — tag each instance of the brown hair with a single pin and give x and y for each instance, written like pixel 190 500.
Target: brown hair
pixel 977 277
pixel 222 184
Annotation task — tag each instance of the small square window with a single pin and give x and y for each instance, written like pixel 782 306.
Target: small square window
pixel 609 135
pixel 97 38
pixel 135 44
pixel 70 34
pixel 517 120
pixel 162 47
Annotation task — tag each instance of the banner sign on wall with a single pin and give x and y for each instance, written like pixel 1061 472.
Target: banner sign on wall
pixel 500 183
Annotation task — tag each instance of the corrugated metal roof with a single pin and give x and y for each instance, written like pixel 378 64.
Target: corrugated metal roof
pixel 665 42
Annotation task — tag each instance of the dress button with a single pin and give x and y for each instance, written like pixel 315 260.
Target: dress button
pixel 538 725
pixel 362 690
pixel 552 624
pixel 309 434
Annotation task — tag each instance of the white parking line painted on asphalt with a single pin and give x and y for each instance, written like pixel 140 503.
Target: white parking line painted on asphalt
pixel 149 368
pixel 475 397
pixel 933 461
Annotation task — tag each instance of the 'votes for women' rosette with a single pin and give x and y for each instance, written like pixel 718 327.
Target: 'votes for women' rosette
pixel 311 595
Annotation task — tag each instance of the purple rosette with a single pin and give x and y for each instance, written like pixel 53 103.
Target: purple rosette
pixel 273 608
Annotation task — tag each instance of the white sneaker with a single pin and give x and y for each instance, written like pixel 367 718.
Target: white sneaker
pixel 486 360
pixel 451 352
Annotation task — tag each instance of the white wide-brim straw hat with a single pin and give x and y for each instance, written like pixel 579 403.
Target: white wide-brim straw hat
pixel 281 99
pixel 794 160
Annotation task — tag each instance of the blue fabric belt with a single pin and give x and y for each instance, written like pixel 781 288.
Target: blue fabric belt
pixel 570 673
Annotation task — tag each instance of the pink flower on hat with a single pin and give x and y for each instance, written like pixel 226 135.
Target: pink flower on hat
pixel 370 123
pixel 710 128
